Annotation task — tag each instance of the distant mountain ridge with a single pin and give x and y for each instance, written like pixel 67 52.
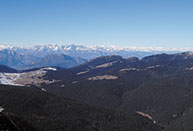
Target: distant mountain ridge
pixel 67 56
pixel 21 60
pixel 58 60
pixel 15 59
pixel 90 52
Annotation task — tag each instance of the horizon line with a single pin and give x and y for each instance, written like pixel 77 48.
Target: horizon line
pixel 114 47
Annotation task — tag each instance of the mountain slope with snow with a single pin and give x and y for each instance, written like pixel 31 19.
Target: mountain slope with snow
pixel 90 52
pixel 35 77
pixel 67 56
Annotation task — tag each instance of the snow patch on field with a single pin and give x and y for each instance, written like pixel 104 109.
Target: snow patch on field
pixel 189 69
pixel 103 77
pixel 49 68
pixel 152 67
pixel 135 69
pixel 74 82
pixel 83 72
pixel 130 69
pixel 26 78
pixel 1 109
pixel 9 78
pixel 43 89
pixel 104 65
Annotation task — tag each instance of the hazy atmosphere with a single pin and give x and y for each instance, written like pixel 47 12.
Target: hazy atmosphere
pixel 96 65
pixel 165 23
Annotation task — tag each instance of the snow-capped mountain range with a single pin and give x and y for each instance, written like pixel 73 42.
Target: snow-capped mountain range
pixel 89 52
pixel 55 47
pixel 70 55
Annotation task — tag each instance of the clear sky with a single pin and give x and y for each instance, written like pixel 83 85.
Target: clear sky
pixel 167 23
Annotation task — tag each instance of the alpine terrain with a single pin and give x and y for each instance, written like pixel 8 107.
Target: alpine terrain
pixel 105 93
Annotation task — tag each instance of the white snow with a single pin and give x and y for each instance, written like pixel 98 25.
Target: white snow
pixel 9 78
pixel 152 67
pixel 189 69
pixel 21 79
pixel 101 48
pixel 74 82
pixel 104 65
pixel 83 72
pixel 135 69
pixel 103 77
pixel 62 85
pixel 2 47
pixel 129 69
pixel 1 109
pixel 43 89
pixel 49 68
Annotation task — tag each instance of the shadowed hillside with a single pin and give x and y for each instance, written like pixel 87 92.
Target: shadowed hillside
pixel 46 112
pixel 159 85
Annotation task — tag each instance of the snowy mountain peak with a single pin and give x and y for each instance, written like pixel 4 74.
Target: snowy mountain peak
pixel 55 47
pixel 90 52
pixel 2 47
pixel 105 48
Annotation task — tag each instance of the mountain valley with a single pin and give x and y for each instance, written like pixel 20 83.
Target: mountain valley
pixel 155 92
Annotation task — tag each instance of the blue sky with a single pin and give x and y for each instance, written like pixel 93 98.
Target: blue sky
pixel 167 23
